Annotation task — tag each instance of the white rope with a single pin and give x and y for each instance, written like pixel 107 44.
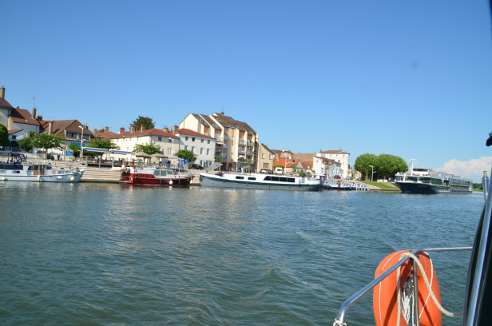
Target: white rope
pixel 426 281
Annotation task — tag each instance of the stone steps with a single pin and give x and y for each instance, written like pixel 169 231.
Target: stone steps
pixel 101 175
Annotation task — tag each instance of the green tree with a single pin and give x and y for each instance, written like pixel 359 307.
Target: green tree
pixel 218 158
pixel 363 162
pixel 186 155
pixel 388 165
pixel 75 149
pixel 146 121
pixel 4 136
pixel 102 143
pixel 150 149
pixel 26 144
pixel 45 141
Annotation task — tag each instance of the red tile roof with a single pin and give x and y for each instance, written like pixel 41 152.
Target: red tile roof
pixel 192 133
pixel 326 160
pixel 4 103
pixel 157 132
pixel 107 135
pixel 282 161
pixel 11 132
pixel 58 127
pixel 23 116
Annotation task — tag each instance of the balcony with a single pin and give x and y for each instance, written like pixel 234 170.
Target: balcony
pixel 242 142
pixel 241 151
pixel 219 139
pixel 249 153
pixel 251 144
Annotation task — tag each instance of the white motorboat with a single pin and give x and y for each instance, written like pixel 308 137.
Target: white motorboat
pixel 260 181
pixel 17 168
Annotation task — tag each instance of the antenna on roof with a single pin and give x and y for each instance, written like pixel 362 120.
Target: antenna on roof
pixel 34 106
pixel 222 109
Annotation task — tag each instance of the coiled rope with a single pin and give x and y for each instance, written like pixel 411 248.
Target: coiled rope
pixel 427 284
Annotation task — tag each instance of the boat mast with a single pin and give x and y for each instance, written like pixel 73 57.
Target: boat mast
pixel 412 161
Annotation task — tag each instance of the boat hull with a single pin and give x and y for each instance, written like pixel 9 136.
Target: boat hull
pixel 66 178
pixel 423 188
pixel 133 179
pixel 225 183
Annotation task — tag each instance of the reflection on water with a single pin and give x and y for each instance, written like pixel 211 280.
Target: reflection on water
pixel 116 254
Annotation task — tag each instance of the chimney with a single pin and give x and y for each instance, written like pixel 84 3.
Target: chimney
pixel 34 113
pixel 95 131
pixel 106 129
pixel 132 128
pixel 166 129
pixel 142 128
pixel 175 129
pixel 50 128
pixel 122 130
pixel 39 118
pixel 2 92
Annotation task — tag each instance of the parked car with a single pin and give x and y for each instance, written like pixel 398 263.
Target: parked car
pixel 337 177
pixel 196 166
pixel 350 178
pixel 279 171
pixel 264 171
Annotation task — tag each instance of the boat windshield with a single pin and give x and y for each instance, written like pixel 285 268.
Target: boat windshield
pixel 13 157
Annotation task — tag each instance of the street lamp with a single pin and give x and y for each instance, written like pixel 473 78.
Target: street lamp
pixel 82 145
pixel 372 172
pixel 285 162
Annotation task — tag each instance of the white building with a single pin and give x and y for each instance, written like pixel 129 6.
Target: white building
pixel 168 142
pixel 338 156
pixel 202 145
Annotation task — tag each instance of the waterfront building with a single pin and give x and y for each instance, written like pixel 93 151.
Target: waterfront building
pixel 72 132
pixel 5 108
pixel 24 120
pixel 127 141
pixel 200 144
pixel 236 141
pixel 339 156
pixel 265 157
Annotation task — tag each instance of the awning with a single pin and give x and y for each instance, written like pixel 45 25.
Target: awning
pixel 114 151
pixel 96 150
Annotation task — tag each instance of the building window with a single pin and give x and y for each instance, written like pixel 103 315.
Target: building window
pixel 13 137
pixel 193 149
pixel 186 137
pixel 170 140
pixel 208 151
pixel 168 151
pixel 269 156
pixel 208 141
pixel 201 150
pixel 262 155
pixel 192 138
pixel 203 140
pixel 186 147
pixel 159 138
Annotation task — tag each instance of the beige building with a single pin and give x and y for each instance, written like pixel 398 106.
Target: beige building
pixel 265 158
pixel 236 141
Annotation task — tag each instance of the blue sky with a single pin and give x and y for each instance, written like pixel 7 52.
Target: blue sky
pixel 410 78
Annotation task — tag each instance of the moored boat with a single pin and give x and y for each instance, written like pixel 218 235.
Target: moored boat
pixel 260 181
pixel 155 175
pixel 17 168
pixel 427 181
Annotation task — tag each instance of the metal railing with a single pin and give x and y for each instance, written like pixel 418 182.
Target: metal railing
pixel 218 138
pixel 241 151
pixel 251 144
pixel 356 297
pixel 242 142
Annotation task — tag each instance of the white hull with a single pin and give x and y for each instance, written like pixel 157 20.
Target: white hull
pixel 67 177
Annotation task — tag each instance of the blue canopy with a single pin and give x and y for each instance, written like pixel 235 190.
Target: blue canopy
pixel 98 150
pixel 114 151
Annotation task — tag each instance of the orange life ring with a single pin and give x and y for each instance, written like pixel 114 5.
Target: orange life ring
pixel 385 293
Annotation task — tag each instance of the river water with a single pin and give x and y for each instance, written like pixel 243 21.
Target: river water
pixel 110 254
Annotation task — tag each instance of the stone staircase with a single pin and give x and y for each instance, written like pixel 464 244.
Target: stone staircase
pixel 101 175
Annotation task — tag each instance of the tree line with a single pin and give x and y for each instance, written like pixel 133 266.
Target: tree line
pixel 386 165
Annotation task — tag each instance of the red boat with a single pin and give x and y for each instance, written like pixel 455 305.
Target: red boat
pixel 155 176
